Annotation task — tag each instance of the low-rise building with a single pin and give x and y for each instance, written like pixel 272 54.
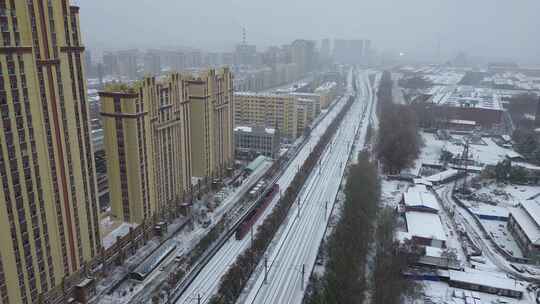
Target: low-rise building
pixel 251 142
pixel 425 229
pixel 419 198
pixel 524 224
pixel 485 282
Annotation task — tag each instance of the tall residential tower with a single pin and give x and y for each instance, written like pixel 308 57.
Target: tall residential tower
pixel 49 223
pixel 212 122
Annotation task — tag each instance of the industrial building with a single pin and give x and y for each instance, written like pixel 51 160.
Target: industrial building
pixel 251 142
pixel 524 224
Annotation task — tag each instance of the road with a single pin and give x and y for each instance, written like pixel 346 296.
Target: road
pixel 207 281
pixel 466 220
pixel 292 254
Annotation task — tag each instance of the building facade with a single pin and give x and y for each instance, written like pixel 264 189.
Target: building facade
pixel 170 119
pixel 129 152
pixel 303 53
pixel 524 224
pixel 212 122
pixel 148 147
pixel 267 110
pixel 251 142
pixel 49 222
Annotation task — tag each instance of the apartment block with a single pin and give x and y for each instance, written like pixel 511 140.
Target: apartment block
pixel 49 221
pixel 212 122
pixel 267 110
pixel 129 152
pixel 148 147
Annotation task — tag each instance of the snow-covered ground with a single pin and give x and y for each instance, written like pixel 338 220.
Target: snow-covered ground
pixel 207 281
pixel 292 255
pixel 441 293
pixel 454 217
pixel 185 240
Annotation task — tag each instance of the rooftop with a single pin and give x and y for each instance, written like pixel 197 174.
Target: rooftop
pixel 425 225
pixel 484 279
pixel 419 195
pixel 247 129
pixel 528 218
pixel 469 97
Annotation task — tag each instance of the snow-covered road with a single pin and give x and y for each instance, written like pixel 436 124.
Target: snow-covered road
pixel 291 256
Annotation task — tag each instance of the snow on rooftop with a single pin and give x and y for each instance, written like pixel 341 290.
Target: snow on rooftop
pixel 513 154
pixel 425 225
pixel 434 252
pixel 248 129
pixel 483 278
pixel 259 94
pixel 442 176
pixel 469 97
pixel 270 130
pixel 120 231
pixel 326 86
pixel 489 210
pixel 463 122
pixel 243 129
pixel 528 218
pixel 419 195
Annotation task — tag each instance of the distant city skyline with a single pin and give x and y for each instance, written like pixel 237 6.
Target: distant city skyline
pixel 501 30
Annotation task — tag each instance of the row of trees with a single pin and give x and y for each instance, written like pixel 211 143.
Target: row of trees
pixel 348 246
pixel 527 142
pixel 391 259
pixel 399 142
pixel 234 280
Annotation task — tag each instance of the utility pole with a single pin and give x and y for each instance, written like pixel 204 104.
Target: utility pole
pixel 198 298
pixel 303 275
pixel 325 208
pixel 265 270
pixel 298 213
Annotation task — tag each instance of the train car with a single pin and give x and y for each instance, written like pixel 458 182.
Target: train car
pixel 254 215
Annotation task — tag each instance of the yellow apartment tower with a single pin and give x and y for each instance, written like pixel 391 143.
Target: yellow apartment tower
pixel 148 147
pixel 129 153
pixel 49 222
pixel 212 123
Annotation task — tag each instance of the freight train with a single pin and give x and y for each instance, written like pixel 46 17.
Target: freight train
pixel 255 214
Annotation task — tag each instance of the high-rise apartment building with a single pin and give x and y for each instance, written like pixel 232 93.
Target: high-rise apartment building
pixel 127 63
pixel 304 55
pixel 325 49
pixel 49 222
pixel 152 63
pixel 212 122
pixel 129 153
pixel 171 137
pixel 148 147
pixel 355 51
pixel 268 110
pixel 110 64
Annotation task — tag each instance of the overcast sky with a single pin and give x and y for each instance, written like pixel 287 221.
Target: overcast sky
pixel 494 28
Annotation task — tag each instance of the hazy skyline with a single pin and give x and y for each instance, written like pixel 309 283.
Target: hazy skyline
pixel 492 28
